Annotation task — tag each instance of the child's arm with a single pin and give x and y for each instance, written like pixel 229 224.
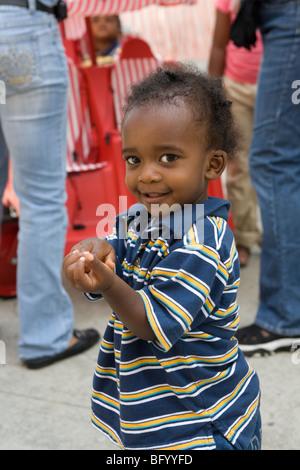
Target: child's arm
pixel 217 58
pixel 86 272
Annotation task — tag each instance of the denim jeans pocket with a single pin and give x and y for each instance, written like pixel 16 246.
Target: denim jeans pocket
pixel 19 63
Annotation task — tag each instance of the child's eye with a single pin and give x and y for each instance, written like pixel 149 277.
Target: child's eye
pixel 132 160
pixel 168 158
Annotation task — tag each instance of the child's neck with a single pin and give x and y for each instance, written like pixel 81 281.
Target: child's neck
pixel 102 45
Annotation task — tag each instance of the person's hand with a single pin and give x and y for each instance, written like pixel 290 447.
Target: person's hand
pixel 89 267
pixel 10 198
pixel 100 248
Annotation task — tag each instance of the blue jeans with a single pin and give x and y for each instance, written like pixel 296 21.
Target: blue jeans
pixel 34 118
pixel 275 167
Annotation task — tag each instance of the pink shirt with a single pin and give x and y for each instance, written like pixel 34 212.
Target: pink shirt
pixel 242 65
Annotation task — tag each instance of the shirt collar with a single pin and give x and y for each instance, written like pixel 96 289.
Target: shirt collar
pixel 175 224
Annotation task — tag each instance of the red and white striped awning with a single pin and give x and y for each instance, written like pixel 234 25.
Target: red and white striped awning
pixel 79 9
pixel 182 31
pixel 111 7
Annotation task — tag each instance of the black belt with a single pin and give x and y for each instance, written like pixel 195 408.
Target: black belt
pixel 24 4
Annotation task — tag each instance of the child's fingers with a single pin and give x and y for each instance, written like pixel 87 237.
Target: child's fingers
pixel 76 270
pixel 93 263
pixel 101 273
pixel 86 272
pixel 88 256
pixel 84 245
pixel 70 259
pixel 79 269
pixel 80 274
pixel 99 248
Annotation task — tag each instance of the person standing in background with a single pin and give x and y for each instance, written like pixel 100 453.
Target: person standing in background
pixel 275 173
pixel 33 132
pixel 107 34
pixel 239 68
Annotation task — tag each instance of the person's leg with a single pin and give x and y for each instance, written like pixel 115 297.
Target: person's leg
pixel 240 190
pixel 275 172
pixel 34 124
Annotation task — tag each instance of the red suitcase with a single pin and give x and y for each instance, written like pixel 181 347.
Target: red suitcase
pixel 8 256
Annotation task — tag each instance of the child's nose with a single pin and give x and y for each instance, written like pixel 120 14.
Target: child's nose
pixel 149 174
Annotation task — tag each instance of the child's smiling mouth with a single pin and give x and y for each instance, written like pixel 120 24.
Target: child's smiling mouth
pixel 154 197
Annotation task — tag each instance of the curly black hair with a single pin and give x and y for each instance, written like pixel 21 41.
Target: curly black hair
pixel 205 95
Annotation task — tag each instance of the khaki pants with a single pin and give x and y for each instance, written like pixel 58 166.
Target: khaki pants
pixel 240 191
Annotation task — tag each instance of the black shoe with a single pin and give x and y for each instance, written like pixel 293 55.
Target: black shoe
pixel 252 341
pixel 86 339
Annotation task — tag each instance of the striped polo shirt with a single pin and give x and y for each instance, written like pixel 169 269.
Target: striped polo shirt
pixel 170 393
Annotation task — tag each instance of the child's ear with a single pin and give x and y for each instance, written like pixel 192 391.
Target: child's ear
pixel 216 163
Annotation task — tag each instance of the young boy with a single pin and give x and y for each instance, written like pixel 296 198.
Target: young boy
pixel 107 33
pixel 170 374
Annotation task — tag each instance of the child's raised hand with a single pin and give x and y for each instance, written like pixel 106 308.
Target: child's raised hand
pixel 89 267
pixel 100 248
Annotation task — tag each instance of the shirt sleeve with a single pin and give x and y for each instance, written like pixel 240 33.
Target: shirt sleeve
pixel 183 291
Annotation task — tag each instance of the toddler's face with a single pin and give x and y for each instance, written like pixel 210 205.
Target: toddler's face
pixel 165 154
pixel 105 27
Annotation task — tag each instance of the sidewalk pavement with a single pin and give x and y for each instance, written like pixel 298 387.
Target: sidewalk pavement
pixel 49 409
